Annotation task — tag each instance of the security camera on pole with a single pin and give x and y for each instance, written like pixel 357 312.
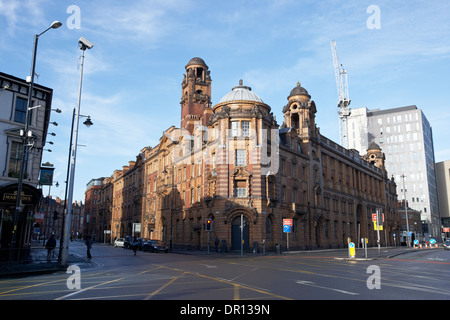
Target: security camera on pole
pixel 84 44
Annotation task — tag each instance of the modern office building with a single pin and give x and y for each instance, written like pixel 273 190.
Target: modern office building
pixel 406 137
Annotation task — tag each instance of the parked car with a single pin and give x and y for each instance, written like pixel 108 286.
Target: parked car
pixel 155 246
pixel 148 246
pixel 119 242
pixel 447 244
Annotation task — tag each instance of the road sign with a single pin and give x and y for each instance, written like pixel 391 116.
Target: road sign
pixel 416 241
pixel 432 241
pixel 351 250
pixel 287 225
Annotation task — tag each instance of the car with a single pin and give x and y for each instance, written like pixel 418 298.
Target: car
pixel 119 242
pixel 159 246
pixel 148 246
pixel 155 246
pixel 447 244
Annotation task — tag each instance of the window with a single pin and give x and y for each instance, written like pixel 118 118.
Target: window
pixel 245 127
pixel 199 193
pixel 213 160
pixel 240 189
pixel 20 112
pixel 240 157
pixel 192 196
pixel 234 128
pixel 15 159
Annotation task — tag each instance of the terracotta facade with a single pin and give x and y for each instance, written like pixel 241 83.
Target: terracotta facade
pixel 233 163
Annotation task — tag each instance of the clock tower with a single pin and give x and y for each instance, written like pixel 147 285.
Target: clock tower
pixel 195 95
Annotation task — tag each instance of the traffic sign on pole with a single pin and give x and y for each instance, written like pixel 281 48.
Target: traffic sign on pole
pixel 287 227
pixel 351 250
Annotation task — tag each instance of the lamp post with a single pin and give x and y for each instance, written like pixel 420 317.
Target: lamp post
pixel 25 136
pixel 171 207
pixel 406 213
pixel 84 44
pixel 87 123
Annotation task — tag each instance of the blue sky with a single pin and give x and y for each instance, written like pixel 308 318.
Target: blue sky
pixel 132 76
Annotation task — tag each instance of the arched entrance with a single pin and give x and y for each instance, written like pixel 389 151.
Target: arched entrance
pixel 236 236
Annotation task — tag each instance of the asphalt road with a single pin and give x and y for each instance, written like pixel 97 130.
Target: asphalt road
pixel 116 274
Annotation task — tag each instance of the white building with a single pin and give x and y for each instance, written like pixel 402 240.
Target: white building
pixel 405 135
pixel 13 108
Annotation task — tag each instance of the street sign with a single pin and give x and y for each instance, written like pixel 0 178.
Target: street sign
pixel 432 241
pixel 351 250
pixel 416 241
pixel 287 225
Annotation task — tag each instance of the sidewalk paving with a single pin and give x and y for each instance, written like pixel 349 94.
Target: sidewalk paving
pixel 37 264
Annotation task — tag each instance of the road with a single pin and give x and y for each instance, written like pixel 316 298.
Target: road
pixel 116 274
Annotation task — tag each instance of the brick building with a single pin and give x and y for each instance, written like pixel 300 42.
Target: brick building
pixel 234 164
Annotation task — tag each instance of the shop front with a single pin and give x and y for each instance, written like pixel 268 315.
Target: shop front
pixel 30 198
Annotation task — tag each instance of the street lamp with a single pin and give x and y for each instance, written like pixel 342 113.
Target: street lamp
pixel 406 213
pixel 84 44
pixel 87 123
pixel 54 25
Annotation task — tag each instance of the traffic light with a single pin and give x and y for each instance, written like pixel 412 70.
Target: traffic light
pixel 55 215
pixel 208 224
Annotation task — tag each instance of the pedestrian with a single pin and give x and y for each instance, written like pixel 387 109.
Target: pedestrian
pixel 135 245
pixel 89 246
pixel 216 244
pixel 50 245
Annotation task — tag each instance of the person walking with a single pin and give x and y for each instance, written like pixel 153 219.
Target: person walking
pixel 50 245
pixel 216 244
pixel 135 245
pixel 89 246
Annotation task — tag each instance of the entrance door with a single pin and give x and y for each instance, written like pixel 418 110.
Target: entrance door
pixel 236 233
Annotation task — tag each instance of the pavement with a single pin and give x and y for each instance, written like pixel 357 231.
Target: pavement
pixel 38 263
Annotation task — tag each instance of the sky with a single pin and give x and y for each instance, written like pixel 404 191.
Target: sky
pixel 396 53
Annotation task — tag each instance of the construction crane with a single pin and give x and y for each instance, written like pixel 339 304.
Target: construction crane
pixel 344 100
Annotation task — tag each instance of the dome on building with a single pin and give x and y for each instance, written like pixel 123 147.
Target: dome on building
pixel 373 146
pixel 299 91
pixel 196 61
pixel 239 93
